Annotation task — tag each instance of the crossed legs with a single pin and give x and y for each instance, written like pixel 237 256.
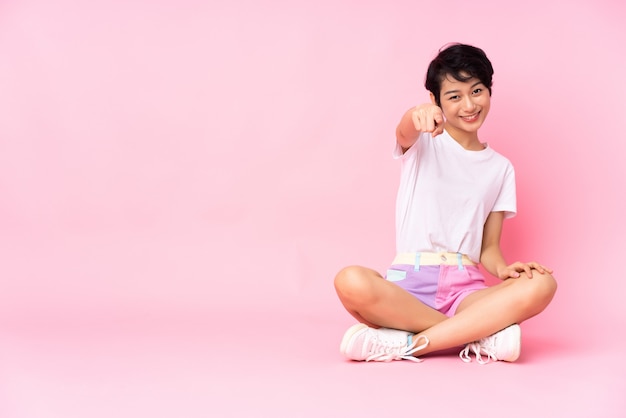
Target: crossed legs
pixel 376 302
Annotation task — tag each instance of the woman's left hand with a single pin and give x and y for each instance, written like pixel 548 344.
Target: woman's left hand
pixel 514 270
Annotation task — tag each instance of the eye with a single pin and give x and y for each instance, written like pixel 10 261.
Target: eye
pixel 477 91
pixel 453 97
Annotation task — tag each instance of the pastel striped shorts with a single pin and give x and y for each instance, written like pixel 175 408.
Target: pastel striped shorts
pixel 439 280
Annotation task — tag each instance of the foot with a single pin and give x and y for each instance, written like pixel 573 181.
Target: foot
pixel 504 345
pixel 361 342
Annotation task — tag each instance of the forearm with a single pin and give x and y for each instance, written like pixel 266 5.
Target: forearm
pixel 406 134
pixel 492 259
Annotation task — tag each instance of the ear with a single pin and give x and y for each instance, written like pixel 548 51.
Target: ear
pixel 432 99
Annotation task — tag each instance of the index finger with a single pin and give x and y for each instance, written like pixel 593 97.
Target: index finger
pixel 438 129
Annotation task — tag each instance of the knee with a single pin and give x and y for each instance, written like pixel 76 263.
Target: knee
pixel 541 289
pixel 351 282
pixel 546 285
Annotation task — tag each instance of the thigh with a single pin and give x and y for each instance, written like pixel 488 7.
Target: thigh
pixel 527 289
pixel 478 295
pixel 366 293
pixel 516 299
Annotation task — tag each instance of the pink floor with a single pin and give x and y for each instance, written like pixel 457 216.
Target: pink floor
pixel 286 366
pixel 141 326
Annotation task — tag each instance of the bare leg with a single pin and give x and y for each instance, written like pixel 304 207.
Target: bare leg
pixel 490 310
pixel 376 302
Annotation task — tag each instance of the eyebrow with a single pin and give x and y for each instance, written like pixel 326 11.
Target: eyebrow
pixel 456 91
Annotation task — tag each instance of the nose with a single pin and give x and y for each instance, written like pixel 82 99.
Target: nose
pixel 468 104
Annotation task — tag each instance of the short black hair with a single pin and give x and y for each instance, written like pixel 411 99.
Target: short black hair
pixel 462 62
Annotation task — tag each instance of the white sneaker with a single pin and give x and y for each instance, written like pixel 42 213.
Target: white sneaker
pixel 361 342
pixel 504 345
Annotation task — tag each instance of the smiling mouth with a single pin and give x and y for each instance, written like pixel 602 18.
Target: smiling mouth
pixel 471 118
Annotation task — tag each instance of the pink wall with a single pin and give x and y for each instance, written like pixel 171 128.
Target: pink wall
pixel 183 155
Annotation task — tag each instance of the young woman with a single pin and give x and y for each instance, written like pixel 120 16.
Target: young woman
pixel 455 192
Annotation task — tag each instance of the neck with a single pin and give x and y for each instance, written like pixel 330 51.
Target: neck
pixel 468 140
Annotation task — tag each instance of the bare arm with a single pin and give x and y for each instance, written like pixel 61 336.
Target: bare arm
pixel 423 118
pixel 491 255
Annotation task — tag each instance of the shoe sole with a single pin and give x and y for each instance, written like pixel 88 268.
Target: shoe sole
pixel 347 337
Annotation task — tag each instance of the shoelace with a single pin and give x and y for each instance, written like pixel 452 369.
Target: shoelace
pixel 386 352
pixel 485 346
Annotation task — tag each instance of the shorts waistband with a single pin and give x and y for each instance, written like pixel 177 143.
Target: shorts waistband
pixel 433 259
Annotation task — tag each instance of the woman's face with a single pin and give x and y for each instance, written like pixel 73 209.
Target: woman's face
pixel 465 105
